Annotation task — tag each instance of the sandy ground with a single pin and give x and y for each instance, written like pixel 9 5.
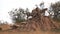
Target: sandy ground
pixel 5 27
pixel 34 32
pixel 31 32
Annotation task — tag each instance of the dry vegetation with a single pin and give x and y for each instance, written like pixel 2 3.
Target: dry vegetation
pixel 38 24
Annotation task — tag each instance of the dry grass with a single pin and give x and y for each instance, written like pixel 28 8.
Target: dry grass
pixel 33 32
pixel 19 32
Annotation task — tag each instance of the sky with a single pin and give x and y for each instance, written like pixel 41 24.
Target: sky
pixel 8 5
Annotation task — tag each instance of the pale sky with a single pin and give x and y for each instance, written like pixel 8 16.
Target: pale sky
pixel 8 5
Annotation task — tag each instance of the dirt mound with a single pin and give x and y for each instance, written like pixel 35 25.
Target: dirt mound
pixel 37 22
pixel 40 21
pixel 33 25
